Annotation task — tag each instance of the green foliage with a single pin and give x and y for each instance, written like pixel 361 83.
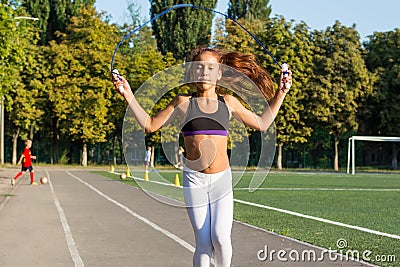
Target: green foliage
pixel 340 80
pixel 17 49
pixel 14 39
pixel 233 38
pixel 288 43
pixel 54 15
pixel 141 62
pixel 292 44
pixel 181 30
pixel 41 10
pixel 63 90
pixel 249 9
pixel 27 109
pixel 382 108
pixel 79 86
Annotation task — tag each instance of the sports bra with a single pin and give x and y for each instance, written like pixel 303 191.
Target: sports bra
pixel 198 122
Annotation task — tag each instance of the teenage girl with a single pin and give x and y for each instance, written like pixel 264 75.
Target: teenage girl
pixel 207 178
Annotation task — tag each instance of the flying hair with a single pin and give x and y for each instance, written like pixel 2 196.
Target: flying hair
pixel 244 63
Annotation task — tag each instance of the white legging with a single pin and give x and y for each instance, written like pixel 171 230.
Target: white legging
pixel 209 202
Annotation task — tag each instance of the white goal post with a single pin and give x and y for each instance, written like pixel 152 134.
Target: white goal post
pixel 363 138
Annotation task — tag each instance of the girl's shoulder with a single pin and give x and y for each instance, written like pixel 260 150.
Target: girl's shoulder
pixel 232 102
pixel 181 98
pixel 184 95
pixel 230 99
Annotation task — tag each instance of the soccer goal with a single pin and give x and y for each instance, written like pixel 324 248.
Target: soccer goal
pixel 351 148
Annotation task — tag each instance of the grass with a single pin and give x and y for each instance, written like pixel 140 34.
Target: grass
pixel 7 195
pixel 358 200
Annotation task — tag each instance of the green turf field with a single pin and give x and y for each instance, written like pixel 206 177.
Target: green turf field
pixel 362 210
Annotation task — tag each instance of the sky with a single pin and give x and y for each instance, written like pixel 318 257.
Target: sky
pixel 369 15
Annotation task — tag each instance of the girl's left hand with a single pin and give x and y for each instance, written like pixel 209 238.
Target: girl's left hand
pixel 285 81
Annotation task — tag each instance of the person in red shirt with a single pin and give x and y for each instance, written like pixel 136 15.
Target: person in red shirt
pixel 26 160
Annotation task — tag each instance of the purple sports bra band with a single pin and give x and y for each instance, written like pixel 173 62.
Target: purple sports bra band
pixel 206 132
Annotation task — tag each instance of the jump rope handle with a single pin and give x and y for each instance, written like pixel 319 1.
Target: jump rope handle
pixel 285 70
pixel 115 72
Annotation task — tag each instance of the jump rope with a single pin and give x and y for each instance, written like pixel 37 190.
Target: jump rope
pixel 255 182
pixel 283 66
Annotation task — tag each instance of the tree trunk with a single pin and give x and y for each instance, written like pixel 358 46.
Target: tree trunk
pixel 99 160
pixel 114 154
pixel 2 155
pixel 54 142
pixel 279 159
pixel 14 146
pixel 395 151
pixel 122 151
pixel 32 133
pixel 84 154
pixel 336 149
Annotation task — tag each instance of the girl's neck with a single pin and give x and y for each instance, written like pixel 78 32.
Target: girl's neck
pixel 207 94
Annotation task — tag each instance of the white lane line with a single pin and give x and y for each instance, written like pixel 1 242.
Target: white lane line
pixel 318 189
pixel 311 217
pixel 287 188
pixel 319 219
pixel 73 251
pixel 134 214
pixel 347 257
pixel 151 181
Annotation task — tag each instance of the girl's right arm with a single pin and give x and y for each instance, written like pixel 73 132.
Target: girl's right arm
pixel 263 121
pixel 149 124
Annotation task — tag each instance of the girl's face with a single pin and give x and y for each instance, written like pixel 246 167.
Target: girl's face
pixel 207 71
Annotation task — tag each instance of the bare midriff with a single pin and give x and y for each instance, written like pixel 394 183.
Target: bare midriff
pixel 206 153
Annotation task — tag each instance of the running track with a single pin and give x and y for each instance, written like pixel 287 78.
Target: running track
pixel 83 219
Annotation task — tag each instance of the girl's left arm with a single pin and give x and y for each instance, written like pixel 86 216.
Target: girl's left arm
pixel 263 121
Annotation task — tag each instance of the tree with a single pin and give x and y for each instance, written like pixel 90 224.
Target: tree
pixel 140 60
pixel 14 37
pixel 292 44
pixel 54 15
pixel 180 30
pixel 381 110
pixel 17 51
pixel 340 79
pixel 231 37
pixel 142 63
pixel 287 43
pixel 249 9
pixel 79 86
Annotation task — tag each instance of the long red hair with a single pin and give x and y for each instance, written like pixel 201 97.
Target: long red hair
pixel 245 63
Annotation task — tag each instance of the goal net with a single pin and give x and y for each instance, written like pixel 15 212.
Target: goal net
pixel 351 148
